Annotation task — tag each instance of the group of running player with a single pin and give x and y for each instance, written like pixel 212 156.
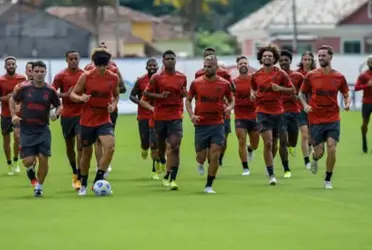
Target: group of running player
pixel 276 103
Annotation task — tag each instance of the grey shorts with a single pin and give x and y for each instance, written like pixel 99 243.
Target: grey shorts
pixel 70 126
pixel 144 132
pixel 302 119
pixel 207 135
pixel 249 125
pixel 89 135
pixel 269 122
pixel 35 144
pixel 290 122
pixel 227 126
pixel 366 110
pixel 7 126
pixel 114 117
pixel 321 132
pixel 166 128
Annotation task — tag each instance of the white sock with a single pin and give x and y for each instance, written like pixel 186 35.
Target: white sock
pixel 39 186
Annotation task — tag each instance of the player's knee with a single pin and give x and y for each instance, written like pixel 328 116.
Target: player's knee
pixel 331 148
pixel 28 161
pixel 268 143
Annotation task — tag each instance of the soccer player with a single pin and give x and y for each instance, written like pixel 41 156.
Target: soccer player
pixel 210 92
pixel 290 123
pixel 168 88
pixel 245 115
pixel 267 85
pixel 307 64
pixel 70 117
pixel 99 90
pixel 323 85
pixel 144 115
pixel 7 84
pixel 364 83
pixel 36 97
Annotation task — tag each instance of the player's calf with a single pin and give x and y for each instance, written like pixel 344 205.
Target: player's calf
pixel 108 144
pixel 201 156
pixel 30 164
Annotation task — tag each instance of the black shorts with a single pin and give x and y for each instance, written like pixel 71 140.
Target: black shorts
pixel 249 125
pixel 70 126
pixel 153 142
pixel 366 110
pixel 321 132
pixel 269 122
pixel 35 144
pixel 302 119
pixel 114 117
pixel 166 128
pixel 290 122
pixel 89 135
pixel 7 126
pixel 207 135
pixel 227 126
pixel 144 132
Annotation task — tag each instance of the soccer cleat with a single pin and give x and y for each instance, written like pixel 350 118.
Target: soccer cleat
pixel 38 192
pixel 16 168
pixel 165 183
pixel 308 165
pixel 200 169
pixel 82 191
pixel 77 185
pixel 209 190
pixel 314 167
pixel 292 151
pixel 162 168
pixel 173 186
pixel 328 185
pixel 272 181
pixel 11 170
pixel 155 176
pixel 74 179
pixel 158 168
pixel 287 174
pixel 105 176
pixel 246 172
pixel 33 183
pixel 144 154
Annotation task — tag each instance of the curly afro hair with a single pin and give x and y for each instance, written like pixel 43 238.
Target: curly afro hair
pixel 273 49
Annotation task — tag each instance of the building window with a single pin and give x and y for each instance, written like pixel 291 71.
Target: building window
pixel 352 47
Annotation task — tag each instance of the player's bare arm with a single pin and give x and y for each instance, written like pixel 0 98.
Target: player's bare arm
pixel 150 93
pixel 283 85
pixel 122 88
pixel 57 83
pixel 12 106
pixel 183 89
pixel 231 102
pixel 189 105
pixel 115 93
pixel 134 93
pixel 146 105
pixel 5 98
pixel 76 94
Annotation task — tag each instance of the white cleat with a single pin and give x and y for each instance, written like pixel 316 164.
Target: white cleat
pixel 246 172
pixel 11 170
pixel 105 176
pixel 109 168
pixel 314 167
pixel 328 185
pixel 308 166
pixel 272 181
pixel 209 190
pixel 200 169
pixel 82 191
pixel 16 168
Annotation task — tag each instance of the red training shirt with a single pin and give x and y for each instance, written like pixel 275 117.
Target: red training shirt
pixel 290 100
pixel 7 85
pixel 323 90
pixel 361 84
pixel 245 108
pixel 143 113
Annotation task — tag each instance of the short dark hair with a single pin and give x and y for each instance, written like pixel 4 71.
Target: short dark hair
pixel 328 48
pixel 10 58
pixel 30 63
pixel 313 64
pixel 210 49
pixel 70 52
pixel 273 49
pixel 238 58
pixel 287 54
pixel 40 64
pixel 168 52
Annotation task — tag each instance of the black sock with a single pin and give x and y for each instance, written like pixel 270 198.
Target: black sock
pixel 153 166
pixel 315 159
pixel 245 165
pixel 365 147
pixel 250 150
pixel 270 170
pixel 307 160
pixel 328 176
pixel 309 144
pixel 163 161
pixel 209 162
pixel 210 180
pixel 78 174
pixel 99 175
pixel 31 173
pixel 9 162
pixel 84 180
pixel 166 176
pixel 286 166
pixel 173 174
pixel 15 159
pixel 73 167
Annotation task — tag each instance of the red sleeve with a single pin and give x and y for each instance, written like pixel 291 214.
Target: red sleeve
pixel 17 96
pixel 192 91
pixel 306 86
pixel 253 82
pixel 285 80
pixel 344 88
pixel 229 93
pixel 185 83
pixel 57 82
pixel 361 83
pixel 227 77
pixel 151 86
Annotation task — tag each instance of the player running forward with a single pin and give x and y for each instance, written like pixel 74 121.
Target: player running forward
pixel 7 84
pixel 268 83
pixel 307 64
pixel 323 85
pixel 364 83
pixel 290 122
pixel 99 90
pixel 168 88
pixel 70 117
pixel 36 97
pixel 210 92
pixel 144 115
pixel 245 115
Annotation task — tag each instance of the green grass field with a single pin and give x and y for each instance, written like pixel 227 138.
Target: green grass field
pixel 246 213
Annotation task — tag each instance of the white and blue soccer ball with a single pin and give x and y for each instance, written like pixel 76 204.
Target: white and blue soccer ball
pixel 102 188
